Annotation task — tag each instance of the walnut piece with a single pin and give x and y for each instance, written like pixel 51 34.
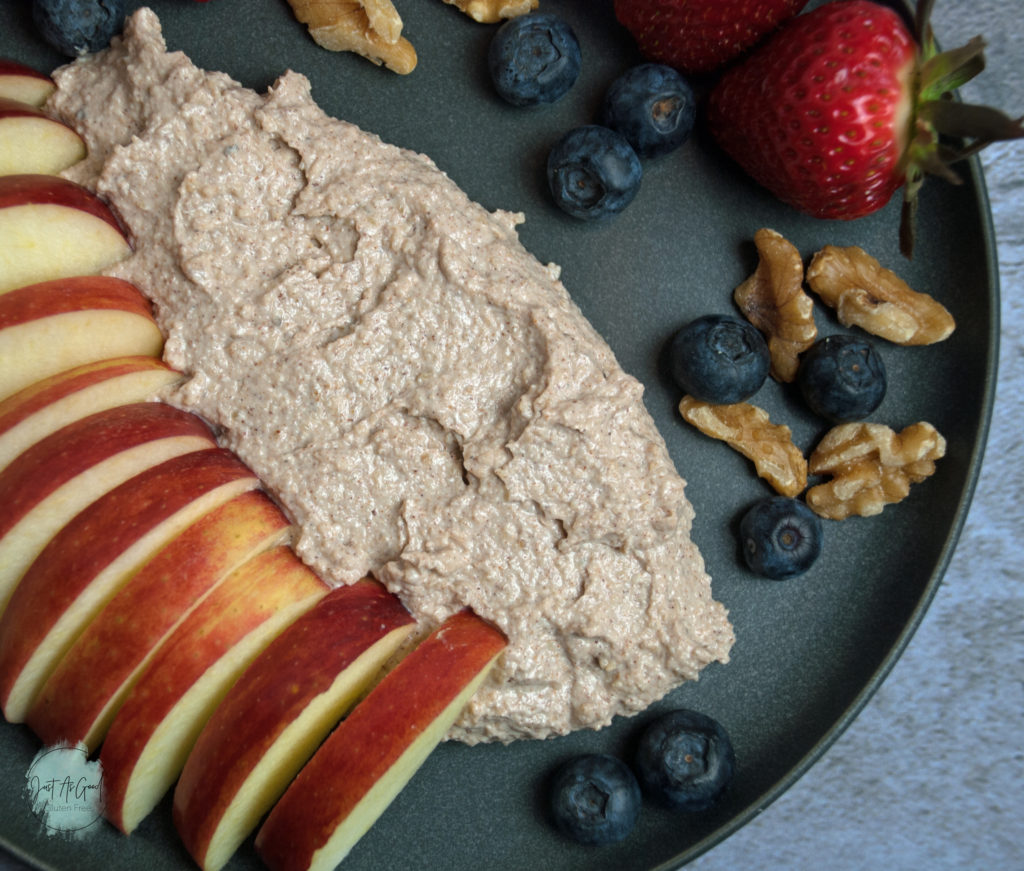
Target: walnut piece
pixel 371 28
pixel 491 11
pixel 747 429
pixel 871 467
pixel 773 300
pixel 866 294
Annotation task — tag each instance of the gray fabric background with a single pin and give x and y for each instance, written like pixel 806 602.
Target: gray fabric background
pixel 931 775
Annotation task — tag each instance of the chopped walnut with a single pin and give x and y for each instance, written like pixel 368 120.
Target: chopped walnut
pixel 773 300
pixel 747 429
pixel 490 11
pixel 371 28
pixel 866 294
pixel 871 466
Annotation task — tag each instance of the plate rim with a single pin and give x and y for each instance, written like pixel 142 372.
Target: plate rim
pixel 899 647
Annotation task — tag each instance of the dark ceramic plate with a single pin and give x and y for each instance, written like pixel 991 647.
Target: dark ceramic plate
pixel 809 651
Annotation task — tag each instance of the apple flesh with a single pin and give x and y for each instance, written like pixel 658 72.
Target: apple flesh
pixel 50 483
pixel 46 406
pixel 53 326
pixel 23 83
pixel 275 717
pixel 374 752
pixel 83 694
pixel 151 736
pixel 54 228
pixel 95 554
pixel 32 141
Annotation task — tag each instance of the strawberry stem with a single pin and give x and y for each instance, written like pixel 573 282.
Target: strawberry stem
pixel 949 70
pixel 939 117
pixel 923 24
pixel 967 121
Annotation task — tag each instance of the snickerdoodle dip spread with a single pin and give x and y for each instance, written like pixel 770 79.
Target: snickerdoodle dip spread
pixel 416 389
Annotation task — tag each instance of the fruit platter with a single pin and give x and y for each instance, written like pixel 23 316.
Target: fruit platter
pixel 673 252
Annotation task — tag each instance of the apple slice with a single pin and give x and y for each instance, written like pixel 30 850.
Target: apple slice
pixel 53 326
pixel 375 751
pixel 46 406
pixel 20 82
pixel 83 694
pixel 55 479
pixel 151 736
pixel 53 228
pixel 91 557
pixel 282 707
pixel 32 141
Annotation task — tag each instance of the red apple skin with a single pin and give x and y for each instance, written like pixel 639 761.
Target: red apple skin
pixel 24 189
pixel 92 540
pixel 34 141
pixel 48 327
pixel 371 739
pixel 20 82
pixel 144 612
pixel 299 665
pixel 10 107
pixel 246 600
pixel 63 295
pixel 9 67
pixel 23 404
pixel 59 457
pixel 56 228
pixel 74 465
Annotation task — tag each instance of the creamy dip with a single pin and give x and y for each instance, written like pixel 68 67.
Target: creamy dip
pixel 416 389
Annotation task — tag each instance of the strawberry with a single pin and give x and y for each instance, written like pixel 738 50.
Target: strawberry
pixel 843 106
pixel 698 36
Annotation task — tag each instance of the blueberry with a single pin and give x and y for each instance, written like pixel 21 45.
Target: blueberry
pixel 719 359
pixel 685 760
pixel 533 59
pixel 842 378
pixel 653 106
pixel 593 172
pixel 781 537
pixel 595 799
pixel 77 27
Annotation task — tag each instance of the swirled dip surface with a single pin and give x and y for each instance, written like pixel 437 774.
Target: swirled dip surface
pixel 417 390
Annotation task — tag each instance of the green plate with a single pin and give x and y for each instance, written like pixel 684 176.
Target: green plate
pixel 810 651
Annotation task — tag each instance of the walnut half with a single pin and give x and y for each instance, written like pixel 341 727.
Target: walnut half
pixel 773 300
pixel 866 294
pixel 871 467
pixel 491 11
pixel 748 429
pixel 371 28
